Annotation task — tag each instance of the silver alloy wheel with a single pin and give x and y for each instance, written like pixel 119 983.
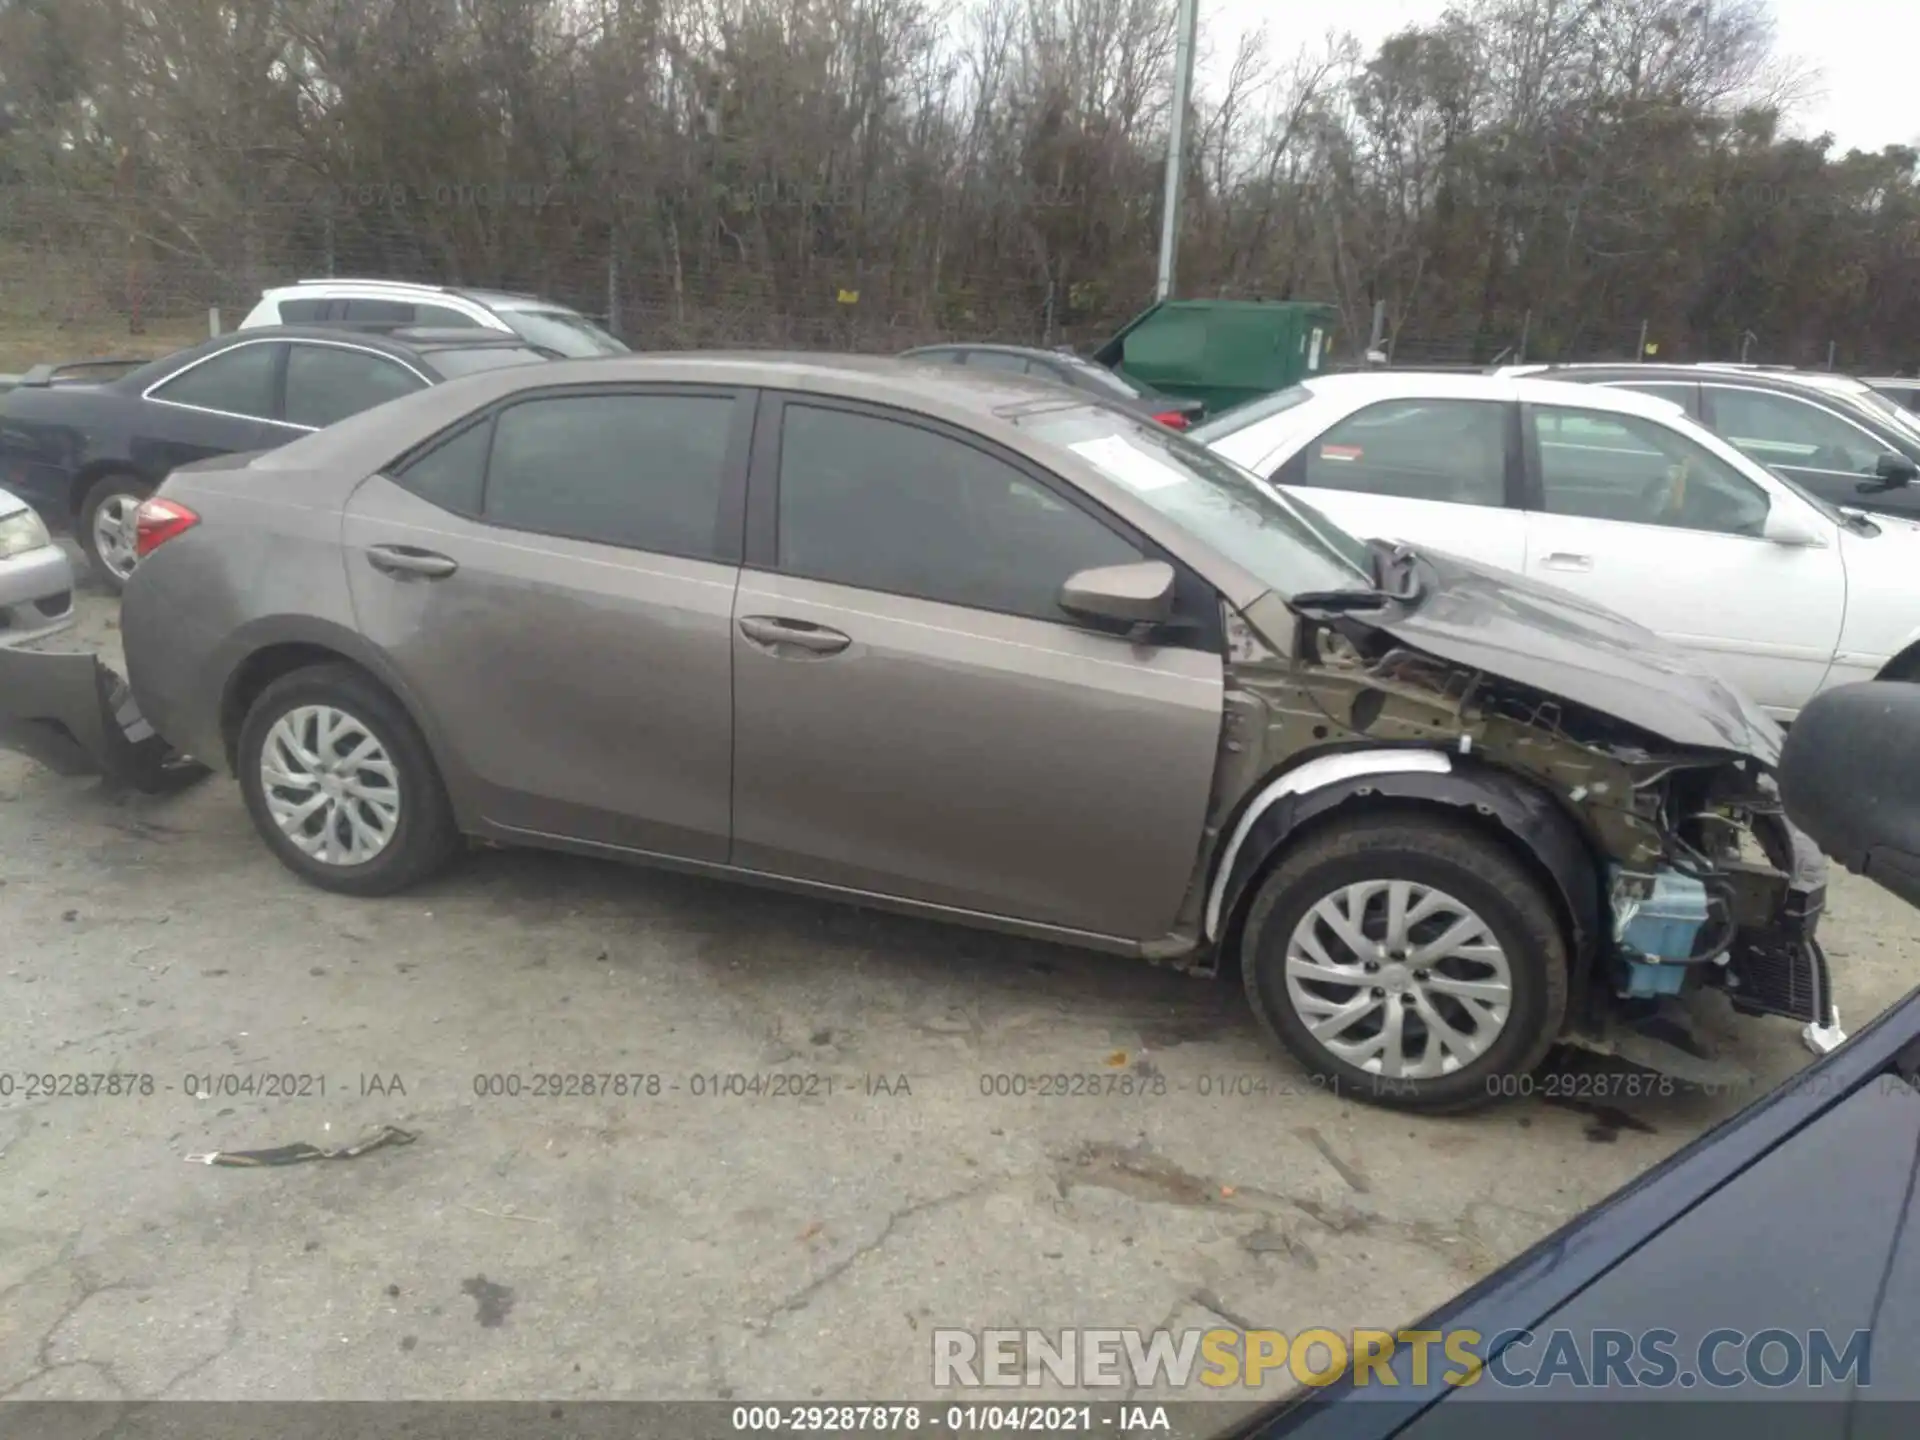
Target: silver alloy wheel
pixel 1398 979
pixel 330 785
pixel 113 533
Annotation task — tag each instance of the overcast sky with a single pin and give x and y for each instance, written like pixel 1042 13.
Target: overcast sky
pixel 1868 97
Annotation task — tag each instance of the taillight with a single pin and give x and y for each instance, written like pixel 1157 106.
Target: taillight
pixel 158 521
pixel 1173 420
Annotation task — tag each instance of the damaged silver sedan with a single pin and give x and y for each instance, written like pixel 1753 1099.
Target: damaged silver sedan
pixel 966 646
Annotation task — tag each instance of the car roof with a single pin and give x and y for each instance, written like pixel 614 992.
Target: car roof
pixel 1760 376
pixel 1369 385
pixel 503 299
pixel 1035 352
pixel 401 344
pixel 958 395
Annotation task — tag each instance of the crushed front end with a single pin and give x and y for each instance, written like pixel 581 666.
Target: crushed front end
pixel 1678 870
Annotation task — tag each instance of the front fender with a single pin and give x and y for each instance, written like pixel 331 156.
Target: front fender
pixel 1525 811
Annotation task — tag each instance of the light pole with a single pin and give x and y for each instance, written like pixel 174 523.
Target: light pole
pixel 1185 24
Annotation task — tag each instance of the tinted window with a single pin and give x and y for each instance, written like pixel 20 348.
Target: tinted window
pixel 997 360
pixel 326 383
pixel 452 474
pixel 638 470
pixel 889 506
pixel 1453 451
pixel 384 312
pixel 442 317
pixel 302 312
pixel 1624 467
pixel 238 381
pixel 939 357
pixel 1780 430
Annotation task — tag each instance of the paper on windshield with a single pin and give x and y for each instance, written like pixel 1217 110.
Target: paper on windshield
pixel 1135 469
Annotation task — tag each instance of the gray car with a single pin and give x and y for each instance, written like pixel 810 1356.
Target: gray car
pixel 975 647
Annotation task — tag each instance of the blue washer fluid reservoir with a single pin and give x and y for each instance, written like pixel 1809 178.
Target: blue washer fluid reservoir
pixel 1657 933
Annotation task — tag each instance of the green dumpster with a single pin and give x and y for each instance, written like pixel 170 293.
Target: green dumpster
pixel 1223 352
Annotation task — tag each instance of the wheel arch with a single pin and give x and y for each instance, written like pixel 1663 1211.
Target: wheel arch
pixel 1509 810
pixel 94 471
pixel 277 650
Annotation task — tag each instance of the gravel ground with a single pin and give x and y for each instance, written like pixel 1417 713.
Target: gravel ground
pixel 702 1241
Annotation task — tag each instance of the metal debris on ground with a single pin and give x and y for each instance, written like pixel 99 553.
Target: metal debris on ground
pixel 296 1154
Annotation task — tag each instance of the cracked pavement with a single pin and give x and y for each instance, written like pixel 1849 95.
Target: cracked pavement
pixel 688 1244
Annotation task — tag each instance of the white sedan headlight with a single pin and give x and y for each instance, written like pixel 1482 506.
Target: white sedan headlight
pixel 21 533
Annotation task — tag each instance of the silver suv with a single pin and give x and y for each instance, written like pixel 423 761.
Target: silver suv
pixel 380 303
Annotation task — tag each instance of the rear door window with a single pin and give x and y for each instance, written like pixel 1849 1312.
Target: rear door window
pixel 643 471
pixel 1452 451
pixel 239 381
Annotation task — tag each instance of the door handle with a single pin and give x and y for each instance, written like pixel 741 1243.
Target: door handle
pixel 1566 560
pixel 774 631
pixel 407 560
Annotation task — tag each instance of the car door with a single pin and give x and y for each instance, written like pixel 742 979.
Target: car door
pixel 220 404
pixel 1812 444
pixel 1633 514
pixel 916 717
pixel 1434 472
pixel 328 382
pixel 555 582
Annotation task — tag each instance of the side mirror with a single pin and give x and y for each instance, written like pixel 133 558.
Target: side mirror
pixel 1137 594
pixel 1894 469
pixel 1791 527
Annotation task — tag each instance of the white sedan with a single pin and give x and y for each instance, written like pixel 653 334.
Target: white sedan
pixel 36 579
pixel 1614 495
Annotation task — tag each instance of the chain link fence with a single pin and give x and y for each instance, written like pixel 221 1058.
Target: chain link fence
pixel 98 266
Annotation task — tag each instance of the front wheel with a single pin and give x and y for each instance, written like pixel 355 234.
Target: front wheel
pixel 106 531
pixel 1406 960
pixel 341 785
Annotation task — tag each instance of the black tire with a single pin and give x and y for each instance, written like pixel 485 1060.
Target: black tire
pixel 118 482
pixel 425 837
pixel 1444 855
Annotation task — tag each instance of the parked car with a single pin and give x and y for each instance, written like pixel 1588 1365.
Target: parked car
pixel 36 579
pixel 1817 1177
pixel 1613 495
pixel 85 454
pixel 365 303
pixel 1832 435
pixel 1903 390
pixel 1067 369
pixel 963 644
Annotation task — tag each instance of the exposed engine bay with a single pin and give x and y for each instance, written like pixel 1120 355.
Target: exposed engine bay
pixel 1676 865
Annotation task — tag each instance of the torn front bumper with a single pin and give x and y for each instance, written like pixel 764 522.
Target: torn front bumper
pixel 77 717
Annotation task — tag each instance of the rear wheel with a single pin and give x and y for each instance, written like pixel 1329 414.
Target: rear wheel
pixel 1406 960
pixel 341 784
pixel 105 529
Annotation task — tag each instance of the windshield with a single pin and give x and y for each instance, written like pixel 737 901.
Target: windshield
pixel 1283 544
pixel 451 363
pixel 1242 416
pixel 566 331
